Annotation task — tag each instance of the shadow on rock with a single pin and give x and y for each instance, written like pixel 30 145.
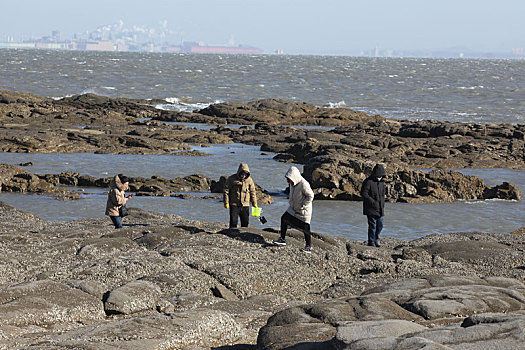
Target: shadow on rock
pixel 244 235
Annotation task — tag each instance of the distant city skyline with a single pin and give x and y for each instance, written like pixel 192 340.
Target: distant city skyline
pixel 330 27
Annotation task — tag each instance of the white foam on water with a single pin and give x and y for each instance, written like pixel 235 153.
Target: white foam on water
pixel 89 91
pixel 471 87
pixel 172 100
pixel 340 104
pixel 179 105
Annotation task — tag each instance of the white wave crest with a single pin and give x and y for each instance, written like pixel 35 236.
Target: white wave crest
pixel 340 104
pixel 179 105
pixel 89 91
pixel 172 100
pixel 471 87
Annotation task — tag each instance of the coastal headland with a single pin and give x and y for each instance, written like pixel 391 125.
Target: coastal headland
pixel 165 282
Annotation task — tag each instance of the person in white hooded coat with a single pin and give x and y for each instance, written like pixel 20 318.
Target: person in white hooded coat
pixel 299 212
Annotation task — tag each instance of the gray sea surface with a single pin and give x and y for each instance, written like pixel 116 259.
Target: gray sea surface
pixel 464 90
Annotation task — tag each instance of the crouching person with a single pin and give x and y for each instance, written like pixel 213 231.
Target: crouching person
pixel 117 198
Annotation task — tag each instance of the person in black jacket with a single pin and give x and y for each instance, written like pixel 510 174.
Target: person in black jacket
pixel 373 193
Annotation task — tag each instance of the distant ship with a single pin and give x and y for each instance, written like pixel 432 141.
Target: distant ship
pixel 194 47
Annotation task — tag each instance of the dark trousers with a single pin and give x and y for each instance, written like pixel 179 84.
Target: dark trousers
pixel 289 220
pixel 375 225
pixel 117 221
pixel 236 212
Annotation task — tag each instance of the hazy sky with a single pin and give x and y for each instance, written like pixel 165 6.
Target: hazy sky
pixel 295 26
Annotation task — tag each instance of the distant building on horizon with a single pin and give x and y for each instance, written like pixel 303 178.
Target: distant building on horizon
pixel 53 42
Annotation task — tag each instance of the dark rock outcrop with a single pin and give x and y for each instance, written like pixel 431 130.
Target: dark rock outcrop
pixel 274 111
pixel 335 177
pixel 16 179
pixel 91 123
pixel 421 144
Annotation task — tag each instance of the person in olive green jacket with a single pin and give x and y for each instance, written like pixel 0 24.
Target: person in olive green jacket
pixel 239 191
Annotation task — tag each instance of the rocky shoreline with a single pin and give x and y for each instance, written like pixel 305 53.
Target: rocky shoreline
pixel 163 282
pixel 336 160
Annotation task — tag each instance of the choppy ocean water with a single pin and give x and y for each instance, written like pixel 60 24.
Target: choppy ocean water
pixel 485 91
pixel 466 90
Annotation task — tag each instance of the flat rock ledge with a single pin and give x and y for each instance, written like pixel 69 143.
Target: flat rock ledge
pixel 164 282
pixel 435 312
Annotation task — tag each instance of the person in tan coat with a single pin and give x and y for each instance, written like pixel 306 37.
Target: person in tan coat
pixel 239 191
pixel 117 198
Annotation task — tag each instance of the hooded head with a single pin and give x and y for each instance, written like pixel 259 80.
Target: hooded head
pixel 378 171
pixel 123 178
pixel 243 169
pixel 119 181
pixel 294 175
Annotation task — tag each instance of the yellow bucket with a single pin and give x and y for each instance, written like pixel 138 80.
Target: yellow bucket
pixel 256 211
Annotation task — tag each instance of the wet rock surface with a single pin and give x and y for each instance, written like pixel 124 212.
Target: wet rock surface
pixel 166 282
pixel 92 123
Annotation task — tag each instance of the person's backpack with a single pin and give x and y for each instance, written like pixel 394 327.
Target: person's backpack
pixel 123 211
